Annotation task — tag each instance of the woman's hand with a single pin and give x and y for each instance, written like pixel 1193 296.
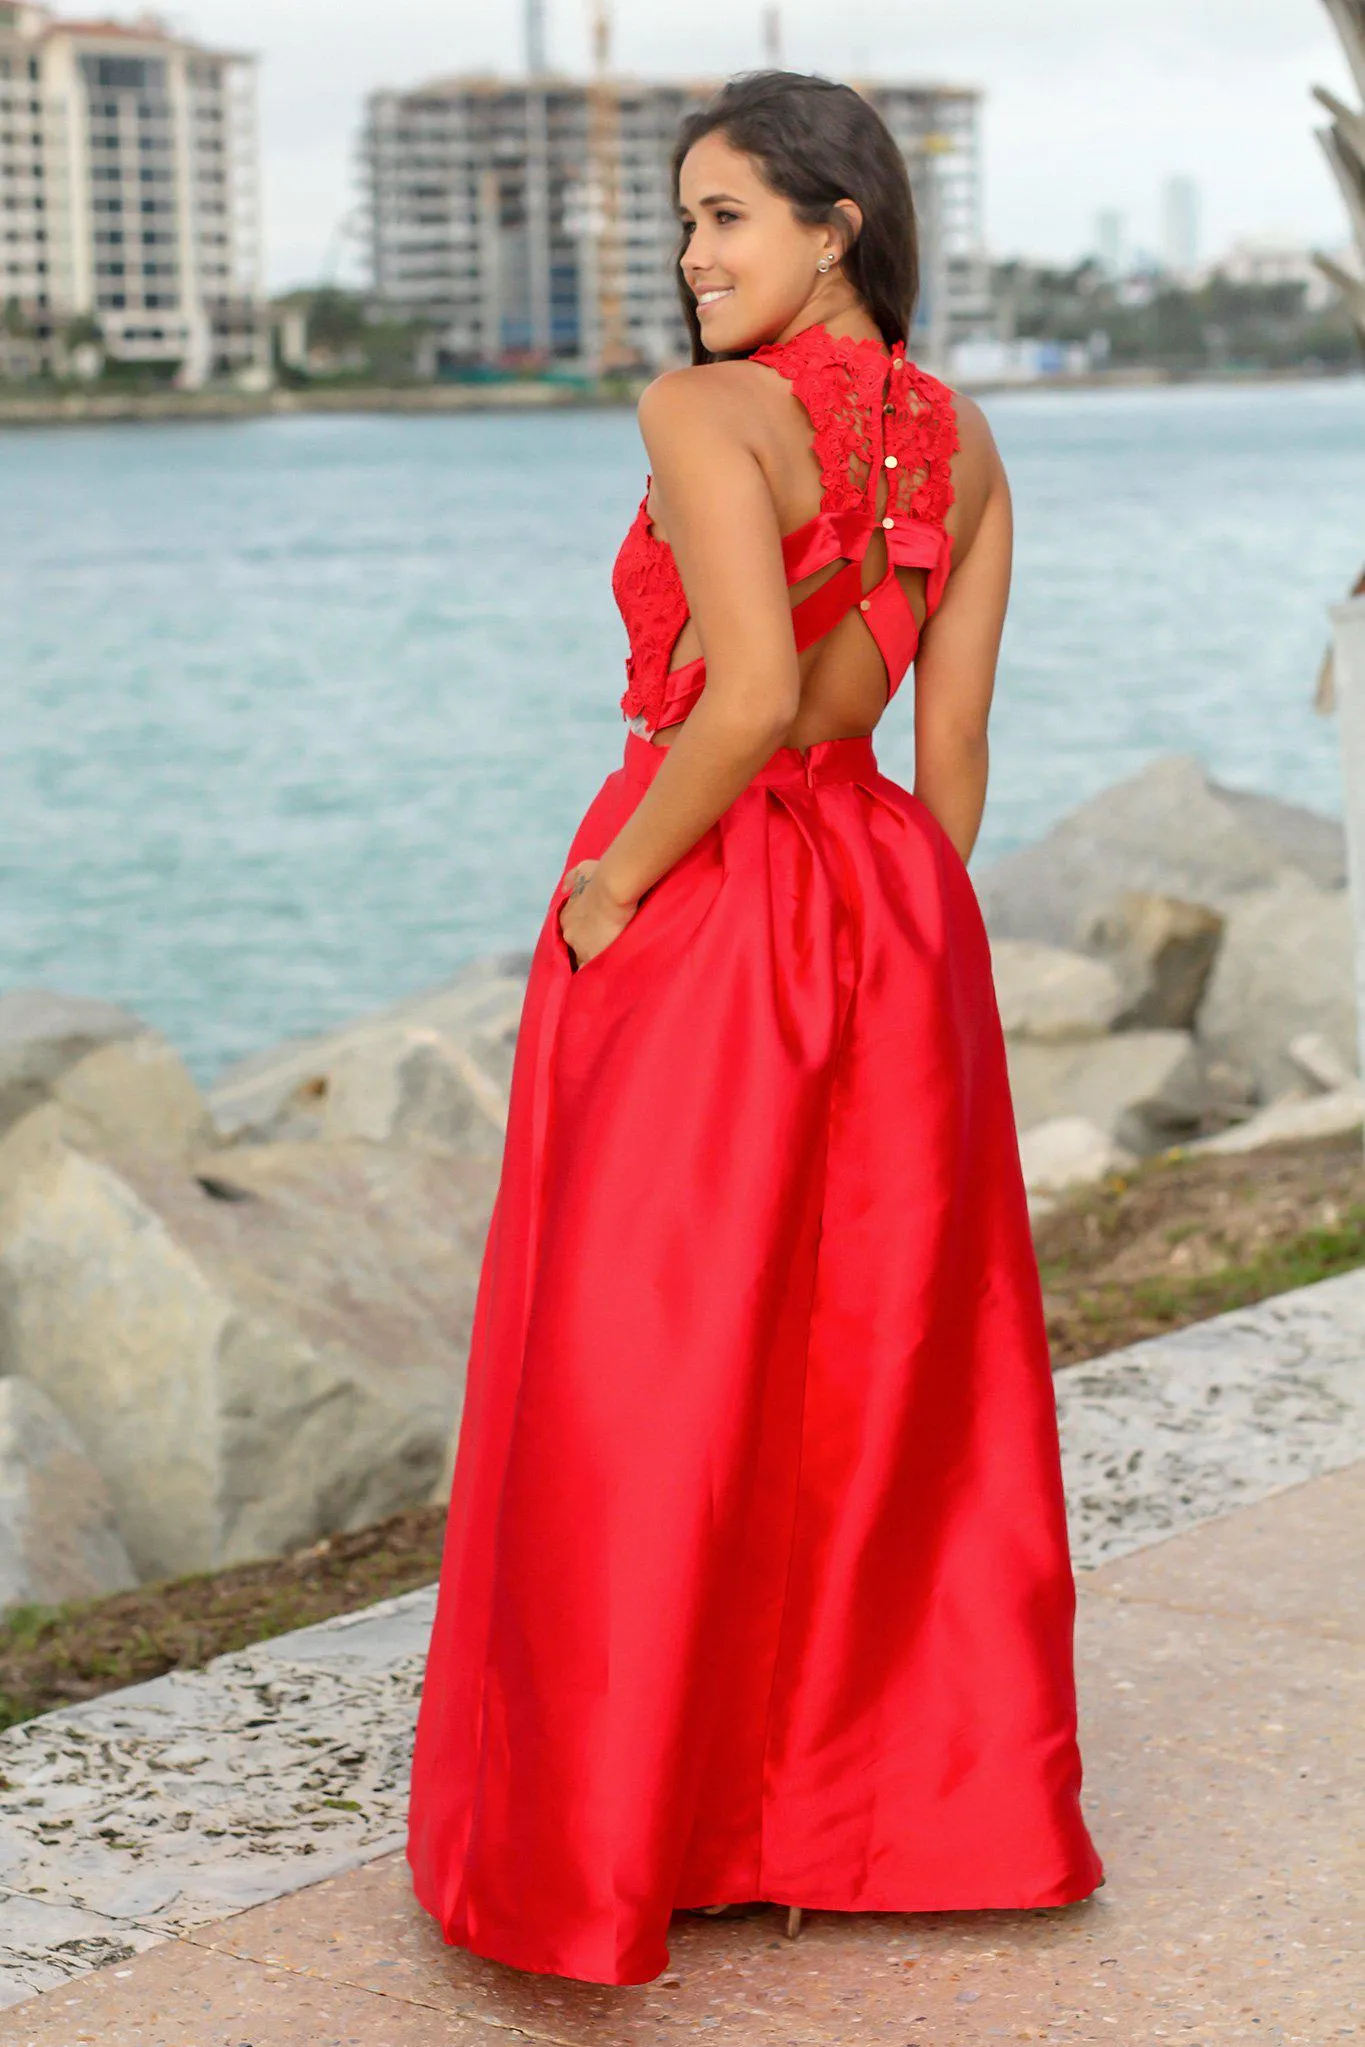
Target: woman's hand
pixel 589 919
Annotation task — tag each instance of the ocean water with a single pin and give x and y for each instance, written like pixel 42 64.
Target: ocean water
pixel 300 713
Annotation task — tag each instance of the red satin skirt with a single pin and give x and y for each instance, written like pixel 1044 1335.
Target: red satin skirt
pixel 756 1581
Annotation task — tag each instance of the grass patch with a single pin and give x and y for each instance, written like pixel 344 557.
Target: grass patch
pixel 55 1655
pixel 1185 1236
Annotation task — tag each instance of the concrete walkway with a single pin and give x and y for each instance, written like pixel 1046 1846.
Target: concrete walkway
pixel 212 1860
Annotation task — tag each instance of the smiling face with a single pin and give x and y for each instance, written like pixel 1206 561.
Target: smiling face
pixel 750 263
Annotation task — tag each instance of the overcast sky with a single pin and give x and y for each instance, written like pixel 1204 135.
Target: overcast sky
pixel 1089 103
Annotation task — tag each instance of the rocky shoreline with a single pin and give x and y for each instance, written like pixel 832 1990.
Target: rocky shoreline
pixel 95 407
pixel 234 1321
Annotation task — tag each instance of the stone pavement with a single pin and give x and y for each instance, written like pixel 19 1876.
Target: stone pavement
pixel 226 1843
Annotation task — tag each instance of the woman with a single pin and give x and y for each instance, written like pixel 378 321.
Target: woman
pixel 756 1585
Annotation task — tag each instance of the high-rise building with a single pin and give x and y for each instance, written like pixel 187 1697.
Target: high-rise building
pixel 1111 240
pixel 1180 227
pixel 129 190
pixel 530 220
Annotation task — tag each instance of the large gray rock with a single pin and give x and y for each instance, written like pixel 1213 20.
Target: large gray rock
pixel 1143 1089
pixel 1168 830
pixel 1162 951
pixel 1045 992
pixel 479 1008
pixel 1284 969
pixel 254 1357
pixel 436 1065
pixel 1068 1151
pixel 399 1083
pixel 1319 1061
pixel 58 1537
pixel 1292 1116
pixel 117 1082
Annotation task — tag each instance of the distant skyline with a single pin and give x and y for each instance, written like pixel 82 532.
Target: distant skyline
pixel 1082 115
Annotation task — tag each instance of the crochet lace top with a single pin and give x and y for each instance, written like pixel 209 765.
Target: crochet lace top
pixel 873 412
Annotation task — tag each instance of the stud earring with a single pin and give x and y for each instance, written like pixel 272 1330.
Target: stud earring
pixel 824 263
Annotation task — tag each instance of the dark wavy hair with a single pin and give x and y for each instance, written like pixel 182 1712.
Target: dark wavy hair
pixel 815 141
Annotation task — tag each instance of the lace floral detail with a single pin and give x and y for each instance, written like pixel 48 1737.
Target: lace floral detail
pixel 841 382
pixel 922 433
pixel 838 382
pixel 653 604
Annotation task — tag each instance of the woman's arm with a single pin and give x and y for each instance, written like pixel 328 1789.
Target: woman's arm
pixel 722 526
pixel 956 663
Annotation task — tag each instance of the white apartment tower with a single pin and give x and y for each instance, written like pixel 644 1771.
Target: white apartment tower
pixel 129 190
pixel 486 202
pixel 1180 212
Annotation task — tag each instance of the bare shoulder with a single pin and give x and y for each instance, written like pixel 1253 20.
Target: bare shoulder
pixel 714 398
pixel 976 443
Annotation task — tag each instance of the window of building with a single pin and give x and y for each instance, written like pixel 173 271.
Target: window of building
pixel 124 74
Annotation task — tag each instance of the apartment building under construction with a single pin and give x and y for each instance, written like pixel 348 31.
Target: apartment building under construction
pixel 530 220
pixel 128 193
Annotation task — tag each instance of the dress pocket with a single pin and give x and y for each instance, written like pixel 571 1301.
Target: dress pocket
pixel 561 943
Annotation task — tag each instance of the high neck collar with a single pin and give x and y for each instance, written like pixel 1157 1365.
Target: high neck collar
pixel 816 336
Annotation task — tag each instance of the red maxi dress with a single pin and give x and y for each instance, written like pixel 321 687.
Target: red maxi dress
pixel 756 1582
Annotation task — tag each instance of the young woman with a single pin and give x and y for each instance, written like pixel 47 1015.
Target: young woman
pixel 756 1586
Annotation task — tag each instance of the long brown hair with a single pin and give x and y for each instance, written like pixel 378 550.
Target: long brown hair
pixel 815 141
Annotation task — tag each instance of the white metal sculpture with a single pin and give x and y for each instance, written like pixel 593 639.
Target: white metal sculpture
pixel 1344 142
pixel 1344 680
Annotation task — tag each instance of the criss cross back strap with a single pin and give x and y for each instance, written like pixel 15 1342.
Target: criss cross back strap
pixel 874 415
pixel 866 408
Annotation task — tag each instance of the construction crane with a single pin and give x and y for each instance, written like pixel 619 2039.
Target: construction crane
pixel 533 24
pixel 614 353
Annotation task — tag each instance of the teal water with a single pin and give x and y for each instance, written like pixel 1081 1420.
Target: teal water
pixel 300 713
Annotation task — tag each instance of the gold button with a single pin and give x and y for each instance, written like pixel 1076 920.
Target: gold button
pixel 866 604
pixel 891 462
pixel 888 522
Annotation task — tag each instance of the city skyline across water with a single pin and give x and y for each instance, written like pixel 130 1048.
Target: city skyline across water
pixel 1084 107
pixel 301 713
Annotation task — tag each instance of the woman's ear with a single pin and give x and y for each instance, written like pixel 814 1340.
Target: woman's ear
pixel 853 218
